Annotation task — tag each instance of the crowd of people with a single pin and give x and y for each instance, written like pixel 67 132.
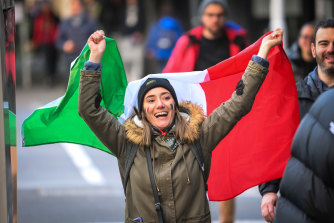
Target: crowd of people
pixel 307 186
pixel 55 39
pixel 60 40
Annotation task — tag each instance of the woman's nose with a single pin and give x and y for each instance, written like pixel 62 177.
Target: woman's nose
pixel 160 104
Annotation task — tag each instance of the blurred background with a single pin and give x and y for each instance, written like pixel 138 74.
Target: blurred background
pixel 256 16
pixel 54 185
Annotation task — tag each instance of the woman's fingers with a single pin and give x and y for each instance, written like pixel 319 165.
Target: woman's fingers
pixel 274 38
pixel 277 33
pixel 97 36
pixel 101 32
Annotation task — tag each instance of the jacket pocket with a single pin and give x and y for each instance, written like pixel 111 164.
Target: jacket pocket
pixel 198 218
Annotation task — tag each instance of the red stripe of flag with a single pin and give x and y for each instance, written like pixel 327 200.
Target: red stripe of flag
pixel 258 147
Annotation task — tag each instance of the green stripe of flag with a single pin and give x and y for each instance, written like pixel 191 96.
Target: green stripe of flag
pixel 59 121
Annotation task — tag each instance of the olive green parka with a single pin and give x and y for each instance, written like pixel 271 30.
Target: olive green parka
pixel 177 173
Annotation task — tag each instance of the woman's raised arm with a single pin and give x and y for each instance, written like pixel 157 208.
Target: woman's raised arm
pixel 97 46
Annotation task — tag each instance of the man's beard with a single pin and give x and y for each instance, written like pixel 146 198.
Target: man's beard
pixel 328 69
pixel 215 32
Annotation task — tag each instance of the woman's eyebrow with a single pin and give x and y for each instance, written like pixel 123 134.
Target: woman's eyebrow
pixel 150 96
pixel 163 93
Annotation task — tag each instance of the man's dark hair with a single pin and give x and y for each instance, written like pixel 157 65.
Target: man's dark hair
pixel 329 23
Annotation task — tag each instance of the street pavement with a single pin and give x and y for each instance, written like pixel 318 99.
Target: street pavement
pixel 68 183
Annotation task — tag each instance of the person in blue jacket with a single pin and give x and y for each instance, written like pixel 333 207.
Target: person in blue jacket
pixel 161 40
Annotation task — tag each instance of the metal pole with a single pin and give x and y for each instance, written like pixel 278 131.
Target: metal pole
pixel 277 20
pixel 8 188
pixel 4 210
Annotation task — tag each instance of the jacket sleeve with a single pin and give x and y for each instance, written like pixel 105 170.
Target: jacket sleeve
pixel 269 187
pixel 105 126
pixel 220 122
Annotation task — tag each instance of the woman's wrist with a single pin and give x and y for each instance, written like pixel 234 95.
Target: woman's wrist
pixel 264 51
pixel 95 57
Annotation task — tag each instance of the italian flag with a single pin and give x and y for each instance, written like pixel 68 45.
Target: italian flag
pixel 254 152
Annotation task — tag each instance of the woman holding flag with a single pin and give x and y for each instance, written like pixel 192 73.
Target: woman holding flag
pixel 165 180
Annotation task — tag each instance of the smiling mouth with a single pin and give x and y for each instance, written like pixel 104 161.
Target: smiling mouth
pixel 161 114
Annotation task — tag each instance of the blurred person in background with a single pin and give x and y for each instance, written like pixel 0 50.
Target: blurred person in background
pixel 93 8
pixel 44 36
pixel 300 54
pixel 202 47
pixel 131 44
pixel 74 31
pixel 110 16
pixel 314 84
pixel 215 40
pixel 162 38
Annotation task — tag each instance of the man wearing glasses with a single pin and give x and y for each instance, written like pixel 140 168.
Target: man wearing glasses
pixel 300 53
pixel 202 47
pixel 214 41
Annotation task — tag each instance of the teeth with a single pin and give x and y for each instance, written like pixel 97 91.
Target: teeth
pixel 160 114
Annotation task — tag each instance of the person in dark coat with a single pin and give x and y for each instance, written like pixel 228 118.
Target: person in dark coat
pixel 307 186
pixel 300 53
pixel 318 81
pixel 74 31
pixel 45 28
pixel 131 44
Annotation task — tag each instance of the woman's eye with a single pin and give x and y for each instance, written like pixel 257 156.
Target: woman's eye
pixel 167 97
pixel 150 100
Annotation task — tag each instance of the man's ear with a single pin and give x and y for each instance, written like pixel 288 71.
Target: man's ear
pixel 313 50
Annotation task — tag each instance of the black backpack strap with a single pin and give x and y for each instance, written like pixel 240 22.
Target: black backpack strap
pixel 154 186
pixel 131 151
pixel 197 151
pixel 192 40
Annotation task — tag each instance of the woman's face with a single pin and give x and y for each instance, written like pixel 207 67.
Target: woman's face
pixel 159 107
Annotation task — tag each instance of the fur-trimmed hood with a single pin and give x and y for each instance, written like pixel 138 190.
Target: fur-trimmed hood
pixel 192 113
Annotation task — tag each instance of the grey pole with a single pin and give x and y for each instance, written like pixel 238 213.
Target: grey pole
pixel 277 20
pixel 7 99
pixel 4 217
